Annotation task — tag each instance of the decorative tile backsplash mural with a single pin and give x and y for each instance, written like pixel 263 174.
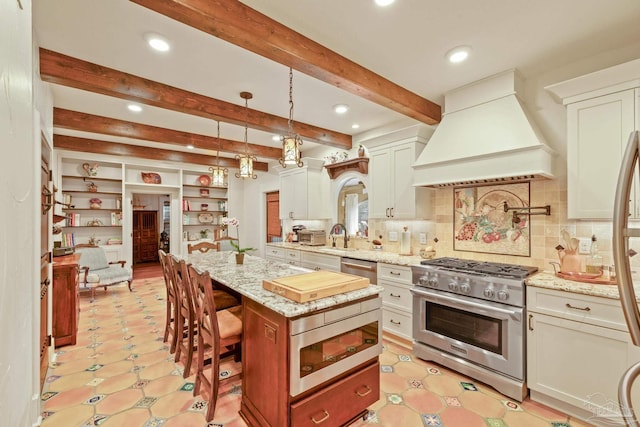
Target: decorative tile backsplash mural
pixel 481 223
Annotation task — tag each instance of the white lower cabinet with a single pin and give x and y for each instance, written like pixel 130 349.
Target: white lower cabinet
pixel 396 299
pixel 292 256
pixel 316 261
pixel 273 253
pixel 578 349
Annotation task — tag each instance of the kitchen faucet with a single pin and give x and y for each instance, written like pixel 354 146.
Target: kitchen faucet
pixel 341 229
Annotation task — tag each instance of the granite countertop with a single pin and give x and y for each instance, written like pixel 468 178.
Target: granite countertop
pixel 549 280
pixel 246 279
pixel 364 254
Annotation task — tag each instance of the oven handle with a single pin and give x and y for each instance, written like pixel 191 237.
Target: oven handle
pixel 459 303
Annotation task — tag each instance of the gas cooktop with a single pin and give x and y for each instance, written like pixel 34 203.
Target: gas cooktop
pixel 481 267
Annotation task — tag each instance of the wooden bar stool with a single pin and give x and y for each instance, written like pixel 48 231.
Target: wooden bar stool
pixel 172 306
pixel 203 247
pixel 218 330
pixel 186 311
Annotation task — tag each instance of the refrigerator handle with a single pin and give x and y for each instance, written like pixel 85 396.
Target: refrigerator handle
pixel 621 234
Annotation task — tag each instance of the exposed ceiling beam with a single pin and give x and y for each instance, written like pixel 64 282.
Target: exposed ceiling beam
pixel 85 145
pixel 243 26
pixel 68 71
pixel 75 120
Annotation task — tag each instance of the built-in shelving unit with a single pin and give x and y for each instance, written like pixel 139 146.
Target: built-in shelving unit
pixel 203 207
pixel 91 205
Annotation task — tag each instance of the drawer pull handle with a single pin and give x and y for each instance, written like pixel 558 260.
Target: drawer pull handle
pixel 578 308
pixel 394 273
pixel 530 322
pixel 366 391
pixel 394 296
pixel 323 419
pixel 394 322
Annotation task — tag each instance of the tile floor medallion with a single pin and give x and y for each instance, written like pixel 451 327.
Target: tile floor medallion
pixel 120 373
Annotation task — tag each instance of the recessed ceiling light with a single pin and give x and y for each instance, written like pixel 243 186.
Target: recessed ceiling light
pixel 276 138
pixel 355 126
pixel 157 42
pixel 340 108
pixel 384 2
pixel 190 147
pixel 458 54
pixel 134 107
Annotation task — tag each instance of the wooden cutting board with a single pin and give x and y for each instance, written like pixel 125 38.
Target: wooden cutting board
pixel 312 286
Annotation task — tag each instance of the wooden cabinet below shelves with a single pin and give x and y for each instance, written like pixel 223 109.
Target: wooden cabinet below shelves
pixel 66 310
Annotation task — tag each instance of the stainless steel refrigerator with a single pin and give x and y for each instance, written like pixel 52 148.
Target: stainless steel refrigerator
pixel 621 256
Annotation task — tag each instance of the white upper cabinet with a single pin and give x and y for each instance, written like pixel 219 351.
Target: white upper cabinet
pixel 391 193
pixel 603 108
pixel 597 134
pixel 304 192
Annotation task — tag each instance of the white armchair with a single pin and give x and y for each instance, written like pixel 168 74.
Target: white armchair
pixel 96 270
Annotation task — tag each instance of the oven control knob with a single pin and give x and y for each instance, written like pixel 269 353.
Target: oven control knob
pixel 489 293
pixel 424 281
pixel 433 282
pixel 503 295
pixel 453 286
pixel 465 288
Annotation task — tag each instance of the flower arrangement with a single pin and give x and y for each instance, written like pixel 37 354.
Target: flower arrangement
pixel 233 222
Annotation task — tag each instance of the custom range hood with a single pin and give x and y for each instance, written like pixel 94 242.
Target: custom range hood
pixel 485 136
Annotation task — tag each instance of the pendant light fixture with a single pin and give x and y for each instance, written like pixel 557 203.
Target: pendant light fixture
pixel 291 142
pixel 218 173
pixel 246 160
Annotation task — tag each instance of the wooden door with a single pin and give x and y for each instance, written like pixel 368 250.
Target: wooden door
pixel 145 236
pixel 45 259
pixel 274 228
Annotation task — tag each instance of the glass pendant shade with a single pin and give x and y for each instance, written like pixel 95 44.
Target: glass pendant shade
pixel 246 167
pixel 217 176
pixel 291 151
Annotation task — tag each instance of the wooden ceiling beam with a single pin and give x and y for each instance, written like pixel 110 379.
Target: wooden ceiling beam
pixel 68 71
pixel 236 23
pixel 75 120
pixel 86 145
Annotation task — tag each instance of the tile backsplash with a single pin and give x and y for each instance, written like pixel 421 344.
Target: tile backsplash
pixel 545 231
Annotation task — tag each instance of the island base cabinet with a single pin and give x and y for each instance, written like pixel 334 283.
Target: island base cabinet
pixel 328 408
pixel 575 367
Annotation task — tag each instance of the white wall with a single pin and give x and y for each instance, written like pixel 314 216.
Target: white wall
pixel 19 221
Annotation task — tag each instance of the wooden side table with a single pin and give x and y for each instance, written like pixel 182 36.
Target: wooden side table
pixel 66 307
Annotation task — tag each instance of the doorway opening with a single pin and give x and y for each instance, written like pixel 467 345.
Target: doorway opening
pixel 151 227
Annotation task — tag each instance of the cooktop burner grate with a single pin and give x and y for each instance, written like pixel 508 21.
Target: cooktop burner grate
pixel 488 268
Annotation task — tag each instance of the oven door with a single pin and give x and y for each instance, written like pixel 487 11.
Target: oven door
pixel 483 332
pixel 323 353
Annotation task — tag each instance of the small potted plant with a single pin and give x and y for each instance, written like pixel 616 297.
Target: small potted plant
pixel 233 222
pixel 204 233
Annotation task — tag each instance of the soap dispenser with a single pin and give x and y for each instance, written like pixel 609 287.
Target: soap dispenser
pixel 405 242
pixel 594 260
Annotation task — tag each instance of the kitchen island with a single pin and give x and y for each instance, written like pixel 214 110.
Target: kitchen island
pixel 302 363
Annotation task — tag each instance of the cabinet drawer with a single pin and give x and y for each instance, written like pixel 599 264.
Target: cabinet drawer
pixel 320 261
pixel 273 252
pixel 397 322
pixel 292 255
pixel 583 308
pixel 399 273
pixel 396 295
pixel 339 402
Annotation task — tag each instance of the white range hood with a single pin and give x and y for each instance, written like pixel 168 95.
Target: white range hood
pixel 485 136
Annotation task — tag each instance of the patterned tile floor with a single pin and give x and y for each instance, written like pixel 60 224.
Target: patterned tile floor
pixel 120 373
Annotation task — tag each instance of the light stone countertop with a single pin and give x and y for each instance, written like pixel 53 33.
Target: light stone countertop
pixel 549 280
pixel 364 254
pixel 247 278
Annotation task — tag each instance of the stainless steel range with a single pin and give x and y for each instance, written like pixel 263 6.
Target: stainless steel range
pixel 469 316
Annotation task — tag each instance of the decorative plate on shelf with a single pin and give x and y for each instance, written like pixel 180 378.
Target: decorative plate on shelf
pixel 205 218
pixel 204 180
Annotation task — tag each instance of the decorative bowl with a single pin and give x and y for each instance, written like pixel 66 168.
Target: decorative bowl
pixel 204 180
pixel 151 178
